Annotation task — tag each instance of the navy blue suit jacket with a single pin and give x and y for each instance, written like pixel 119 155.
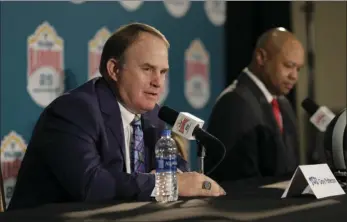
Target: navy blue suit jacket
pixel 76 152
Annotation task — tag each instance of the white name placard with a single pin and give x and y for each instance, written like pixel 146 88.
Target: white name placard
pixel 315 179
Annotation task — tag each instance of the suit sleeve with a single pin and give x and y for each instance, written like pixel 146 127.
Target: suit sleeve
pixel 232 122
pixel 68 146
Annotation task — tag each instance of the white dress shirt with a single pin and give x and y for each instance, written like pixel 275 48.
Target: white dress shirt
pixel 261 86
pixel 255 79
pixel 127 118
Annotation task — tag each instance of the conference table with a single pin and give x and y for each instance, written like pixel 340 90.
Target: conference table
pixel 246 200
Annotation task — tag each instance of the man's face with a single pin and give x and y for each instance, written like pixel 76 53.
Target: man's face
pixel 280 72
pixel 141 78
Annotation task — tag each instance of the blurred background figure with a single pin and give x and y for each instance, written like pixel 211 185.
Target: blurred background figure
pixel 253 118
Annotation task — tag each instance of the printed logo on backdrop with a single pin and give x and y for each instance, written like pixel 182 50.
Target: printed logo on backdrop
pixel 95 47
pixel 45 65
pixel 216 11
pixel 165 92
pixel 131 5
pixel 12 151
pixel 197 76
pixel 177 8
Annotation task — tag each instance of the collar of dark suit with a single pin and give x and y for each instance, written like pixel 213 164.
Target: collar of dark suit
pixel 257 96
pixel 269 97
pixel 110 109
pixel 245 81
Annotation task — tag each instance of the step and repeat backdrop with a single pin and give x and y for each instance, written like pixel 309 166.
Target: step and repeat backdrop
pixel 48 48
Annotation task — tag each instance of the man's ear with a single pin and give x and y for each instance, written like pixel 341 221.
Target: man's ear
pixel 261 56
pixel 113 68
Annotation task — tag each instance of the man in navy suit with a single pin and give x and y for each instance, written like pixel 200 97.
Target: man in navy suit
pixel 84 148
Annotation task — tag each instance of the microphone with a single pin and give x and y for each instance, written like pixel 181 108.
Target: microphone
pixel 320 116
pixel 184 124
pixel 190 127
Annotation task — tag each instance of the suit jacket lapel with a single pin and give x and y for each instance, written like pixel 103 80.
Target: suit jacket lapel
pixel 113 121
pixel 288 119
pixel 289 133
pixel 268 117
pixel 111 113
pixel 261 99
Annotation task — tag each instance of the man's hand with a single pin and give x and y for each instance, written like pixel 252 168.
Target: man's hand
pixel 191 184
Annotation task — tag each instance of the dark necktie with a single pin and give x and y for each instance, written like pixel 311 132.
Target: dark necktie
pixel 137 146
pixel 277 114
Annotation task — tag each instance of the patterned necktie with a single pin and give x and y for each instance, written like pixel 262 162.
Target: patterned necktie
pixel 137 146
pixel 277 113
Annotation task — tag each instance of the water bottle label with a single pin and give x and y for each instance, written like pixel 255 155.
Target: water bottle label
pixel 166 165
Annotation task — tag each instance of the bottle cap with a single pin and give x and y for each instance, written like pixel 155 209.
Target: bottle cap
pixel 166 132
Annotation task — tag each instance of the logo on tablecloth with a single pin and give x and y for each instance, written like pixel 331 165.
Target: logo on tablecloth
pixel 45 71
pixel 177 8
pixel 165 91
pixel 95 47
pixel 131 5
pixel 216 11
pixel 197 76
pixel 12 151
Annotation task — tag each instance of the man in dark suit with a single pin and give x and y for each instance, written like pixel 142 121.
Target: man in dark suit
pixel 96 143
pixel 253 118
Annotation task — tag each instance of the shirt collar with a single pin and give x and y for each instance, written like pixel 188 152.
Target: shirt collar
pixel 127 116
pixel 260 85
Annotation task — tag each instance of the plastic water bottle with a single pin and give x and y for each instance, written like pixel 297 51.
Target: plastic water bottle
pixel 165 177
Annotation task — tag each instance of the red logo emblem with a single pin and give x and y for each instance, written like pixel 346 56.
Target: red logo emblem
pixel 45 71
pixel 95 47
pixel 197 76
pixel 182 125
pixel 12 151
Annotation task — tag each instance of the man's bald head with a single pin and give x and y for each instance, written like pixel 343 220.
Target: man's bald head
pixel 275 39
pixel 277 59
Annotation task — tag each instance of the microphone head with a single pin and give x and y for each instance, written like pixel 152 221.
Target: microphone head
pixel 168 115
pixel 309 106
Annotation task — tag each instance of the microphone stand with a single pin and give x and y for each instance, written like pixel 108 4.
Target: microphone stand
pixel 201 155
